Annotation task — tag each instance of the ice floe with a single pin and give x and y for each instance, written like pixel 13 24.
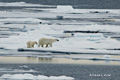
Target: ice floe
pixel 34 77
pixel 80 42
pixel 21 20
pixel 10 70
pixel 22 4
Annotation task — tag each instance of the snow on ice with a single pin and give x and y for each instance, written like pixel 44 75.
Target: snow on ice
pixel 22 4
pixel 34 77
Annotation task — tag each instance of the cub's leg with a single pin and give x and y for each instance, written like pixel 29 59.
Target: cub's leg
pixel 28 45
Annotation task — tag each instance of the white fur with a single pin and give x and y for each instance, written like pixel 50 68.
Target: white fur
pixel 30 44
pixel 46 41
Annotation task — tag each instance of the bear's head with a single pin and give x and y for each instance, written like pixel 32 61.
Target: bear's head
pixel 35 42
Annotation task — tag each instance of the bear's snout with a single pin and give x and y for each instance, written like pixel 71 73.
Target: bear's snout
pixel 57 40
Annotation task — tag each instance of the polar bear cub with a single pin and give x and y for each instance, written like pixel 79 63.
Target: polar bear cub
pixel 30 44
pixel 46 41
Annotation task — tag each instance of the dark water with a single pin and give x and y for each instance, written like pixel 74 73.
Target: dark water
pixel 86 4
pixel 79 72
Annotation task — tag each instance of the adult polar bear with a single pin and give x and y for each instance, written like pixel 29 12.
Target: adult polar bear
pixel 46 41
pixel 30 44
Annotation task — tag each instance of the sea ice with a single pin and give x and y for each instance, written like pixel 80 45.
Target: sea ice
pixel 34 77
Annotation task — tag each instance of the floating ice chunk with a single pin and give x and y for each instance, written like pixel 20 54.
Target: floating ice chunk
pixel 21 20
pixel 25 28
pixel 12 4
pixel 107 56
pixel 22 4
pixel 65 8
pixel 24 66
pixel 34 77
pixel 16 70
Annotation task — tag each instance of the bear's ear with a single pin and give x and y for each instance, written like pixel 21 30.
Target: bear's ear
pixel 57 40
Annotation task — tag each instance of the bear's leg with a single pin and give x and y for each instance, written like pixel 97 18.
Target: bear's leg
pixel 47 45
pixel 42 45
pixel 33 45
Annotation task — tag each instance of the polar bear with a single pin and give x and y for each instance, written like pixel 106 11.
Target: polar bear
pixel 30 44
pixel 46 41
